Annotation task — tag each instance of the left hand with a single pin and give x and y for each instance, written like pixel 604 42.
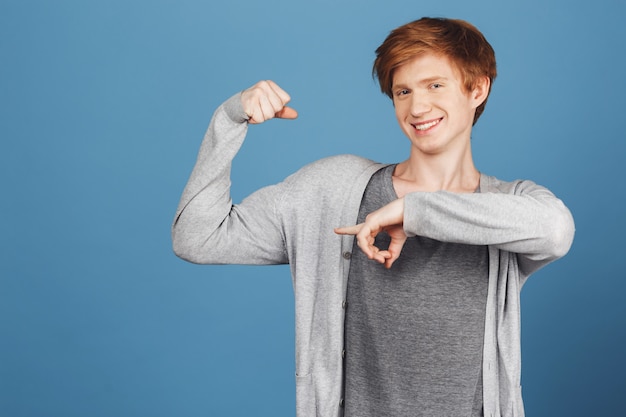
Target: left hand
pixel 389 219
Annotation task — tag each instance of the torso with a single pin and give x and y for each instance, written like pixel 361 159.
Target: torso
pixel 414 334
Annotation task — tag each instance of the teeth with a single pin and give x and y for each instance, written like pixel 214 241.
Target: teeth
pixel 426 125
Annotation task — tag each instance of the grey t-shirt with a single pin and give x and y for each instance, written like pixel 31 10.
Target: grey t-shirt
pixel 414 333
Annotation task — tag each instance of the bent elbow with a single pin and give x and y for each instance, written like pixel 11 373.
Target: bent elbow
pixel 561 231
pixel 181 251
pixel 185 247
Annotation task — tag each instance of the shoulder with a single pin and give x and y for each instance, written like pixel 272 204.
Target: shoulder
pixel 337 167
pixel 331 179
pixel 345 162
pixel 491 184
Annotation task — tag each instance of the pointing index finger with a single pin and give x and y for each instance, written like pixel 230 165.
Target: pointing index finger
pixel 349 230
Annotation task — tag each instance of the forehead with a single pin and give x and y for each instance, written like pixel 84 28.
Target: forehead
pixel 425 68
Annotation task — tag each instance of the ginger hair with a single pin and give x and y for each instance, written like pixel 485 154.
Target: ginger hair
pixel 459 41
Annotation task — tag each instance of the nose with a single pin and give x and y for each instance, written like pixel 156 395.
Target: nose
pixel 419 104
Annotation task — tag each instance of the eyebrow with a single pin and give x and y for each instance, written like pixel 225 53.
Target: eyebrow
pixel 422 82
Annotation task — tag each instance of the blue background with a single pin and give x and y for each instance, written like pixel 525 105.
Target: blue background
pixel 103 107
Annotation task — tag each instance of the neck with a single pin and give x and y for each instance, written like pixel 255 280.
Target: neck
pixel 445 171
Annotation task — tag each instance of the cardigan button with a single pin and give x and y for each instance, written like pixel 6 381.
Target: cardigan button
pixel 347 255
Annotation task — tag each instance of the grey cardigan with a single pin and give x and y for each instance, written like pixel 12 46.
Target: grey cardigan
pixel 524 225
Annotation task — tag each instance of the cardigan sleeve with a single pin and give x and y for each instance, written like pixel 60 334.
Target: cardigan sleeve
pixel 526 219
pixel 208 228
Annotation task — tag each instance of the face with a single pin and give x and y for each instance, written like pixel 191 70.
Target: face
pixel 433 108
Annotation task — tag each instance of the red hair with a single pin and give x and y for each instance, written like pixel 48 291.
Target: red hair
pixel 459 41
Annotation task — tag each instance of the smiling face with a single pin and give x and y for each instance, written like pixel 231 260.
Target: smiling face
pixel 432 106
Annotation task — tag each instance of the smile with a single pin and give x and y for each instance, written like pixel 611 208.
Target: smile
pixel 427 125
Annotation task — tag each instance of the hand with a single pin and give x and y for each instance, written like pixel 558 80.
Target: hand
pixel 389 219
pixel 266 100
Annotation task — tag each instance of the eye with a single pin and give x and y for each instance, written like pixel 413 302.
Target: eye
pixel 402 92
pixel 435 86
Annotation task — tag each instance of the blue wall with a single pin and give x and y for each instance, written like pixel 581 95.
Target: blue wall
pixel 102 108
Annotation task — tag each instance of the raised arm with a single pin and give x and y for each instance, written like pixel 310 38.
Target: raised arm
pixel 207 227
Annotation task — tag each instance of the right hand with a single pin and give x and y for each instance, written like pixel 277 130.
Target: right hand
pixel 266 100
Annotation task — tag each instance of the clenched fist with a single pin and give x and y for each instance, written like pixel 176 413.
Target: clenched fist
pixel 266 100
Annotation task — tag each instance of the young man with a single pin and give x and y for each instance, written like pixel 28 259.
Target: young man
pixel 415 310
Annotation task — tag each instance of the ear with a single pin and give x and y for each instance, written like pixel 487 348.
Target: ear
pixel 481 90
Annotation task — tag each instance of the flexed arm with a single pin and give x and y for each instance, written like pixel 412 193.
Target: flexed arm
pixel 207 227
